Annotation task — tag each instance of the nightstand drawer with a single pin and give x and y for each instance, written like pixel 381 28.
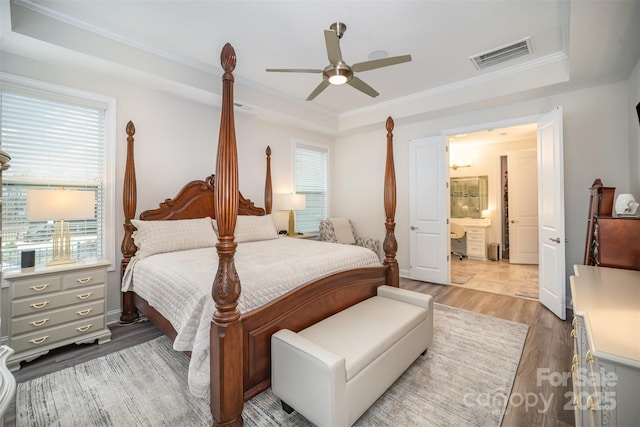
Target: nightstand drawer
pixel 49 336
pixel 49 302
pixel 51 318
pixel 90 277
pixel 36 286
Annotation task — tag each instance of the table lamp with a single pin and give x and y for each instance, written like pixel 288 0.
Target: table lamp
pixel 60 205
pixel 291 202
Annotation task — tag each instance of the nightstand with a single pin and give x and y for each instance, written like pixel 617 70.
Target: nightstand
pixel 50 307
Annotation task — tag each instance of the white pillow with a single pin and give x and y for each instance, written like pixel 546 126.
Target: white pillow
pixel 154 237
pixel 250 228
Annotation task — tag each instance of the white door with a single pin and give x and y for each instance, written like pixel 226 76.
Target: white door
pixel 523 207
pixel 552 285
pixel 429 243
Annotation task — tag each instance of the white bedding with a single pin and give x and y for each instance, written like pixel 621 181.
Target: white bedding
pixel 178 285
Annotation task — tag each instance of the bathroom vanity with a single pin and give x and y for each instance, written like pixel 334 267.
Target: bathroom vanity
pixel 476 234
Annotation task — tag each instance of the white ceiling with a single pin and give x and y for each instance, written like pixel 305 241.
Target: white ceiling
pixel 175 45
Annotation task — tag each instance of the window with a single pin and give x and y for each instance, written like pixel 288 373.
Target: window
pixel 56 137
pixel 311 179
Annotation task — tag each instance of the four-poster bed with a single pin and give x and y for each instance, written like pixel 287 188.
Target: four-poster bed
pixel 239 344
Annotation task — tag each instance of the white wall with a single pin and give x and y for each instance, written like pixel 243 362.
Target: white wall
pixel 175 142
pixel 595 146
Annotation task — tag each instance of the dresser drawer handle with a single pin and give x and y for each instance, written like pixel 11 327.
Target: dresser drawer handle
pixel 39 288
pixel 84 312
pixel 591 403
pixel 574 333
pixel 38 305
pixel 84 328
pixel 589 357
pixel 85 280
pixel 575 321
pixel 575 359
pixel 84 296
pixel 39 322
pixel 39 340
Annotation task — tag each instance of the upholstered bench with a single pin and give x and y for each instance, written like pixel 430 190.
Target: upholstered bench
pixel 333 371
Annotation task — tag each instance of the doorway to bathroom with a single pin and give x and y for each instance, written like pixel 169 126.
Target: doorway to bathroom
pixel 508 263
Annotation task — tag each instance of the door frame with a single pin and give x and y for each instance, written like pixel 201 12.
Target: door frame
pixel 495 125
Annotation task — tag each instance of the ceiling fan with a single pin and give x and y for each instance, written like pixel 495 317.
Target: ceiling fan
pixel 339 72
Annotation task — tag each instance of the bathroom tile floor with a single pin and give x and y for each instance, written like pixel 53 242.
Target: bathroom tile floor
pixel 499 277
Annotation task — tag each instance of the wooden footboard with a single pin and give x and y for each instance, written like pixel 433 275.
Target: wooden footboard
pixel 240 351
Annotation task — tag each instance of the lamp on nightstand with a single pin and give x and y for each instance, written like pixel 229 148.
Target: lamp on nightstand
pixel 291 202
pixel 60 205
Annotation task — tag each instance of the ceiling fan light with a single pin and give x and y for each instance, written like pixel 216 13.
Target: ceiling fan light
pixel 337 79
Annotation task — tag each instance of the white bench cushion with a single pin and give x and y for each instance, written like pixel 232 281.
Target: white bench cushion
pixel 379 322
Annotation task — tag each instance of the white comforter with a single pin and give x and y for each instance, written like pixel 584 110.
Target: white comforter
pixel 178 285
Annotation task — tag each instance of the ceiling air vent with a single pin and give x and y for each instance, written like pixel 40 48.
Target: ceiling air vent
pixel 502 54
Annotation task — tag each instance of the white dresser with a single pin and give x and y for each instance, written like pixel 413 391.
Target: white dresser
pixel 54 306
pixel 606 363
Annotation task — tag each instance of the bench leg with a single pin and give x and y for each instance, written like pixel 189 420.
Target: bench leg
pixel 286 408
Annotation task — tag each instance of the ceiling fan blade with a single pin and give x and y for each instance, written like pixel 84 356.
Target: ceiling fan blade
pixel 362 87
pixel 322 86
pixel 333 46
pixel 379 63
pixel 293 70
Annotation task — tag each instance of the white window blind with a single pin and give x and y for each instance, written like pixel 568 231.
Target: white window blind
pixel 311 179
pixel 54 141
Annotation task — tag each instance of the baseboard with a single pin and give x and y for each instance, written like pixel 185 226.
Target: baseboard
pixel 113 316
pixel 405 274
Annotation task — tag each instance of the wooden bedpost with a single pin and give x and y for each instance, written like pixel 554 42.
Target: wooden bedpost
pixel 390 244
pixel 227 397
pixel 129 201
pixel 268 192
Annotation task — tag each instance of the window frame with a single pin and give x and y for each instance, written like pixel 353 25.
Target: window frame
pixel 305 144
pixel 81 97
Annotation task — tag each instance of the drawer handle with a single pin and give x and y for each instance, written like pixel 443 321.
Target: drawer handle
pixel 85 280
pixel 84 328
pixel 39 322
pixel 84 312
pixel 39 340
pixel 575 321
pixel 39 288
pixel 591 403
pixel 38 305
pixel 84 296
pixel 576 400
pixel 589 357
pixel 574 367
pixel 574 333
pixel 575 359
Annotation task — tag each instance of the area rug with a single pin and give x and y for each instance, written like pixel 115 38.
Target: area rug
pixel 461 278
pixel 465 379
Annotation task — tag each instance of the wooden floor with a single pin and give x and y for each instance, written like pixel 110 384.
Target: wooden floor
pixel 533 402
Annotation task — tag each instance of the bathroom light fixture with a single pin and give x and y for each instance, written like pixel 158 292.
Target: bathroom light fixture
pixel 456 165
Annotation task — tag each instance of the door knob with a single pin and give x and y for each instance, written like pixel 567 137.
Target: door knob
pixel 557 239
pixel 414 227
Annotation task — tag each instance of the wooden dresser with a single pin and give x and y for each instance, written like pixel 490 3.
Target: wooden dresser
pixel 612 241
pixel 605 369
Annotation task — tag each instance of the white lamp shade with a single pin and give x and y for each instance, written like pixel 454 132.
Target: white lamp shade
pixel 622 202
pixel 291 202
pixel 60 204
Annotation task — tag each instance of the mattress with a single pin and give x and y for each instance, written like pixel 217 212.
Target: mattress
pixel 178 285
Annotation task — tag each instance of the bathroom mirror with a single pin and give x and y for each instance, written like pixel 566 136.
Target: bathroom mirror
pixel 469 196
